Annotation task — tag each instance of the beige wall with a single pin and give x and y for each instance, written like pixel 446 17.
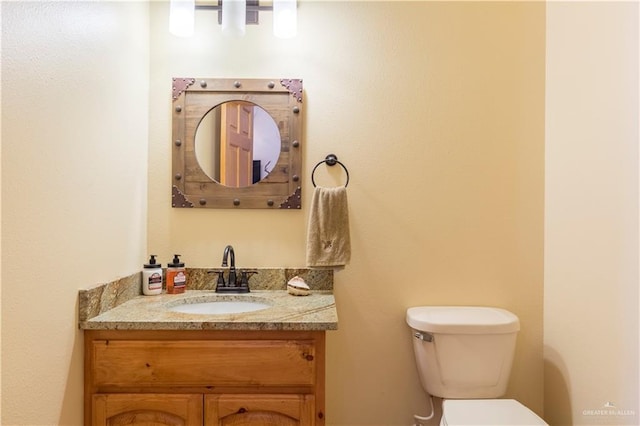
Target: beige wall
pixel 591 213
pixel 437 109
pixel 74 187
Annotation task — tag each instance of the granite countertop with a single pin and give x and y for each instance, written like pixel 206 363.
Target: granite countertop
pixel 119 305
pixel 316 311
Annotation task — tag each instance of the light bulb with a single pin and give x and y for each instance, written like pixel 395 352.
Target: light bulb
pixel 181 17
pixel 285 18
pixel 234 15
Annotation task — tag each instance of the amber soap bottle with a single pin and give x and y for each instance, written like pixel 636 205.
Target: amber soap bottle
pixel 176 276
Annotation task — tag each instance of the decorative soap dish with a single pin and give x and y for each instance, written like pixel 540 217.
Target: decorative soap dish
pixel 297 287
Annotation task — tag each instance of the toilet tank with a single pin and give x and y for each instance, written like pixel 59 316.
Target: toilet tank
pixel 463 351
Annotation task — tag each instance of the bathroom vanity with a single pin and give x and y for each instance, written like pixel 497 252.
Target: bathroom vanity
pixel 210 377
pixel 147 363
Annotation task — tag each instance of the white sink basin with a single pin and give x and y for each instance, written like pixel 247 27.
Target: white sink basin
pixel 220 307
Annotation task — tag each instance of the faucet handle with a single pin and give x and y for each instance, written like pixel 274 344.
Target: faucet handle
pixel 220 272
pixel 245 274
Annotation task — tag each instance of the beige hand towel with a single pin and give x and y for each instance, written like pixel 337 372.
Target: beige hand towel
pixel 328 240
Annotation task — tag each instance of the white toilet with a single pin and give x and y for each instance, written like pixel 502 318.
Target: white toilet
pixel 464 355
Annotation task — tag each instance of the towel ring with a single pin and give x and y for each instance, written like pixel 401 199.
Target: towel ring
pixel 331 160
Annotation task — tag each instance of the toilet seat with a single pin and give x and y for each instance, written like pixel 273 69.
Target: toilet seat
pixel 494 412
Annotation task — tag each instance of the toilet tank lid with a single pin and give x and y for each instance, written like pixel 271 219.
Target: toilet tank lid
pixel 462 319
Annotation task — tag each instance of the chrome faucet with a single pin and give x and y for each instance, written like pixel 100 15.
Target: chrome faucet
pixel 235 283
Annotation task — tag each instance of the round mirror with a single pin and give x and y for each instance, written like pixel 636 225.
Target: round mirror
pixel 237 143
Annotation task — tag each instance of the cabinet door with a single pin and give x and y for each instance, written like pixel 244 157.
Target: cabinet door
pixel 147 410
pixel 259 410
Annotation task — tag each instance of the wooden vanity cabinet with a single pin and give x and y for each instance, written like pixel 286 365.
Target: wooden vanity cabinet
pixel 198 377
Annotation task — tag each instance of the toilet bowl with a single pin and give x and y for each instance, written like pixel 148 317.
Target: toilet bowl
pixel 464 355
pixel 494 412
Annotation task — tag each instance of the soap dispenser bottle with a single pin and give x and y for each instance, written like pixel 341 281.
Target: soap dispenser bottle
pixel 152 277
pixel 176 276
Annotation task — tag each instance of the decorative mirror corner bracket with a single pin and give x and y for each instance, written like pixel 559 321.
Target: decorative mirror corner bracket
pixel 294 86
pixel 180 85
pixel 294 200
pixel 178 199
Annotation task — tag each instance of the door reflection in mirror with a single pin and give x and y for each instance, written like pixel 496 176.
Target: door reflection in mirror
pixel 237 143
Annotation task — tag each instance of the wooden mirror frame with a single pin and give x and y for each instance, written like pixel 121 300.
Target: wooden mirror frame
pixel 192 99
